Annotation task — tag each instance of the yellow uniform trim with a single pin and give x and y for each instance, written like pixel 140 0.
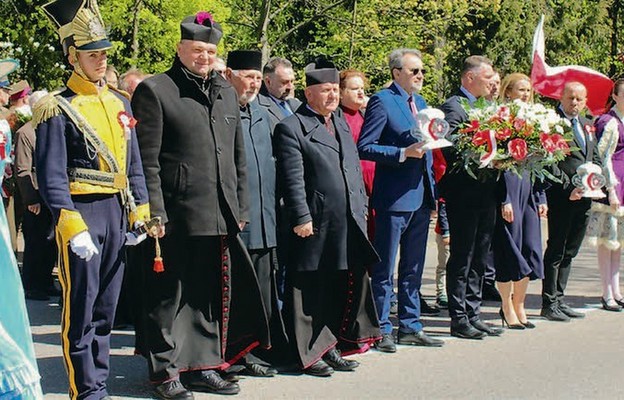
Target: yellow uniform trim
pixel 46 108
pixel 65 281
pixel 70 223
pixel 142 213
pixel 101 108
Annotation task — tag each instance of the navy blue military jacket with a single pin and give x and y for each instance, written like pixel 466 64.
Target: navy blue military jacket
pixel 260 232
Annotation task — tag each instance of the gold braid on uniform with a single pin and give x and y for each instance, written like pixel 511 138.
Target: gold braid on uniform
pixel 45 109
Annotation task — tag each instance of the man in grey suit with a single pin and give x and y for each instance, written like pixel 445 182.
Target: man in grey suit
pixel 278 89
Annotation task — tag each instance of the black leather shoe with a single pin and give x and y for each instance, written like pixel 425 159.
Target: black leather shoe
pixel 335 360
pixel 616 307
pixel 554 314
pixel 386 344
pixel 426 309
pixel 319 368
pixel 419 339
pixel 259 370
pixel 442 303
pixel 620 301
pixel 211 382
pixel 467 332
pixel 570 312
pixel 487 328
pixel 490 293
pixel 172 390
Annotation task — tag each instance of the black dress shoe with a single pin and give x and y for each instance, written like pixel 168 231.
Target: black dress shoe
pixel 467 332
pixel 554 314
pixel 386 344
pixel 620 301
pixel 570 312
pixel 211 382
pixel 490 293
pixel 426 309
pixel 335 360
pixel 172 390
pixel 419 339
pixel 616 307
pixel 259 370
pixel 487 328
pixel 319 368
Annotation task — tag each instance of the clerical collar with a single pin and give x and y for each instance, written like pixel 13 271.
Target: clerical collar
pixel 202 82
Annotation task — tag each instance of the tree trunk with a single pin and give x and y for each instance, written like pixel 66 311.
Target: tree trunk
pixel 135 32
pixel 262 33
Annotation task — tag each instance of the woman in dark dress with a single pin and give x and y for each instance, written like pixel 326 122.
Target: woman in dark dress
pixel 518 239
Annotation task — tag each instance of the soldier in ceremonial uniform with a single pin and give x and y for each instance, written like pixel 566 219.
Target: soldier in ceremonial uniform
pixel 328 305
pixel 90 176
pixel 204 312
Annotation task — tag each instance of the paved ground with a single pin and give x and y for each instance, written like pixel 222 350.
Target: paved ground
pixel 583 359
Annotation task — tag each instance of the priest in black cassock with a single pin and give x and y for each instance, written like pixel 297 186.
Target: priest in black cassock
pixel 328 307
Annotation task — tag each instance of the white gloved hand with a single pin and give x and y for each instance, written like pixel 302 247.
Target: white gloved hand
pixel 83 246
pixel 133 238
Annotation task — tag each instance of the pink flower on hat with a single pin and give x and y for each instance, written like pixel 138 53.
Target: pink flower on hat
pixel 201 16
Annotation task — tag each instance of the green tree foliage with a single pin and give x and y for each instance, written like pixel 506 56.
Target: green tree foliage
pixel 356 33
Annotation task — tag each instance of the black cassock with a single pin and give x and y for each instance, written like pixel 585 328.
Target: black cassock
pixel 328 300
pixel 205 310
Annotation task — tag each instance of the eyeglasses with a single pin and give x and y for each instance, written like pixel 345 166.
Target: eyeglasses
pixel 415 71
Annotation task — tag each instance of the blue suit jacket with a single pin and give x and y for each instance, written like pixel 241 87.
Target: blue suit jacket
pixel 398 186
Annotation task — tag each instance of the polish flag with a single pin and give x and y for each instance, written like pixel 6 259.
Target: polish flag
pixel 549 81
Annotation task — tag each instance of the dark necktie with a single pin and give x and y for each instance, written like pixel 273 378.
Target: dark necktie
pixel 329 125
pixel 412 106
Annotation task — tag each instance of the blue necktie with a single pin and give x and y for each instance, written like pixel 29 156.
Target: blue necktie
pixel 285 108
pixel 578 133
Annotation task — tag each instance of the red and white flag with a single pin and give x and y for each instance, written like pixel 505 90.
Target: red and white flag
pixel 549 81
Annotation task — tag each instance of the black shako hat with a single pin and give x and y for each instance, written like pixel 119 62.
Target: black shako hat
pixel 321 70
pixel 244 59
pixel 201 27
pixel 79 24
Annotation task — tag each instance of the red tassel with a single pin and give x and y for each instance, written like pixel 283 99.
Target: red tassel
pixel 158 265
pixel 158 261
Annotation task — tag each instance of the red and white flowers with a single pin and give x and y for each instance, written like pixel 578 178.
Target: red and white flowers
pixel 517 136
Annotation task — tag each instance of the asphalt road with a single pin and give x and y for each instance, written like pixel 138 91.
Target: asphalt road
pixel 583 359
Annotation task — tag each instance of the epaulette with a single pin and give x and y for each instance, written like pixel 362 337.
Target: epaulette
pixel 121 92
pixel 46 108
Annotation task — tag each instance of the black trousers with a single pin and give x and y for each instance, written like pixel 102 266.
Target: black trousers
pixel 39 250
pixel 567 222
pixel 471 230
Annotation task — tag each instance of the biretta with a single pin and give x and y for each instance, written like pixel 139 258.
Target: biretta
pixel 321 70
pixel 244 59
pixel 79 24
pixel 201 27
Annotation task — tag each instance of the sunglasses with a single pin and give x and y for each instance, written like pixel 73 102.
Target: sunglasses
pixel 415 71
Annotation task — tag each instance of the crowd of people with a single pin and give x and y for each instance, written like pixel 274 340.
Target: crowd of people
pixel 262 232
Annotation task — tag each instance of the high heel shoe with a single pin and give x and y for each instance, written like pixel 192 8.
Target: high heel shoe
pixel 609 307
pixel 509 326
pixel 528 324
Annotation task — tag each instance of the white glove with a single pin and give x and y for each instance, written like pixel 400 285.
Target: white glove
pixel 83 246
pixel 133 238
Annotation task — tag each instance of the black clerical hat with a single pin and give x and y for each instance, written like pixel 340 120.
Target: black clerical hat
pixel 245 59
pixel 321 70
pixel 79 24
pixel 201 27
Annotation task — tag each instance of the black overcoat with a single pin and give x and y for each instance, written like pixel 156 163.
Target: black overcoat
pixel 193 151
pixel 321 180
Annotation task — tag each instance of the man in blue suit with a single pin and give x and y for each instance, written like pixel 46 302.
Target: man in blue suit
pixel 402 197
